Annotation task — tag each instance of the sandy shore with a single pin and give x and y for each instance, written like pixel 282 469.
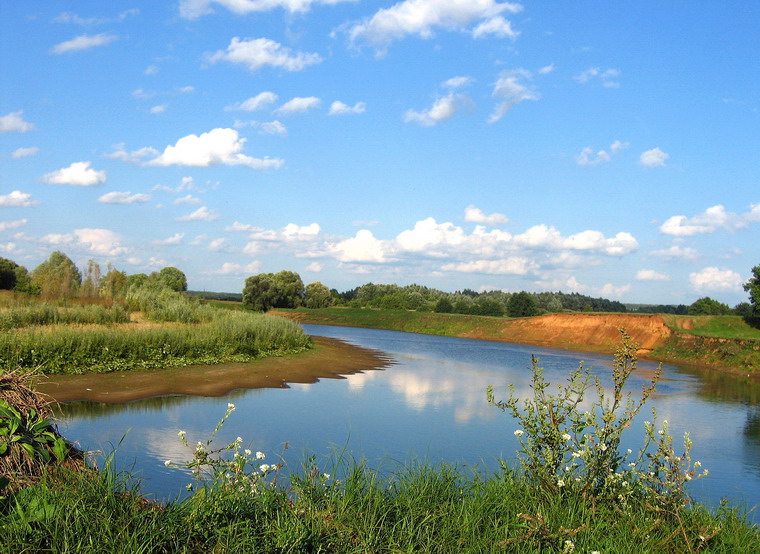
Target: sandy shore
pixel 330 358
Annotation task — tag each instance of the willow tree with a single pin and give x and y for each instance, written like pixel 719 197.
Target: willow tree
pixel 57 277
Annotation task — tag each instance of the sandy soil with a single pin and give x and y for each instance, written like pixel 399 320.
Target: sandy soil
pixel 330 358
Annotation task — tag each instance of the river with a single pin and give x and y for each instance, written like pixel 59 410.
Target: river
pixel 429 406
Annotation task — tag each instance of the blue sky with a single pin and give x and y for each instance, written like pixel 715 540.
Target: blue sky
pixel 608 148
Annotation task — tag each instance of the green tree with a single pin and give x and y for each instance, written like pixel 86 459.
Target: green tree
pixel 57 277
pixel 522 304
pixel 290 289
pixel 753 288
pixel 91 280
pixel 7 274
pixel 444 306
pixel 318 296
pixel 708 306
pixel 273 290
pixel 136 280
pixel 114 283
pixel 172 278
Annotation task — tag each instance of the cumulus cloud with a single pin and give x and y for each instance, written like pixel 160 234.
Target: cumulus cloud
pixel 14 123
pixel 546 69
pixel 7 225
pixel 458 82
pixel 161 108
pixel 512 265
pixel 363 248
pixel 273 128
pixel 315 267
pixel 218 146
pixel 584 158
pixel 423 17
pixel 232 268
pixel 79 174
pixel 612 291
pixel 201 214
pixel 83 42
pixel 299 104
pixel 676 253
pixel 709 221
pixel 511 91
pixel 260 52
pixel 547 237
pixel 171 241
pixel 608 78
pixel 715 279
pixel 651 275
pixel 192 9
pixel 187 199
pixel 24 152
pixel 261 100
pixel 123 198
pixel 653 158
pixel 136 156
pixel 441 110
pixel 476 215
pixel 339 108
pixel 101 241
pixel 16 199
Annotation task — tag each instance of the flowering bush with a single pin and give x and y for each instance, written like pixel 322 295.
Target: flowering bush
pixel 563 447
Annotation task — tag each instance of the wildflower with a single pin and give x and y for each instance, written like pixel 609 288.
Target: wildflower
pixel 576 454
pixel 602 447
pixel 660 432
pixel 264 468
pixel 560 483
pixel 632 465
pixel 167 463
pixel 181 434
pixel 629 451
pixel 519 433
pixel 239 440
pixel 326 476
pixel 231 407
pixel 705 472
pixel 697 464
pixel 247 452
pixel 260 455
pixel 565 437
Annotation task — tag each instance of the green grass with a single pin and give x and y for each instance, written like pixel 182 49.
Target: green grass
pixel 719 326
pixel 18 316
pixel 417 509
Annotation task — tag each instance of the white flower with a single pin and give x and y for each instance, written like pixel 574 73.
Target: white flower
pixel 560 483
pixel 167 463
pixel 519 432
pixel 576 454
pixel 326 476
pixel 660 432
pixel 697 464
pixel 231 407
pixel 705 472
pixel 181 434
pixel 629 451
pixel 565 437
pixel 260 455
pixel 239 440
pixel 247 452
pixel 264 468
pixel 602 447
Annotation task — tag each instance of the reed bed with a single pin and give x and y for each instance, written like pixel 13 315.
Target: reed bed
pixel 19 316
pixel 76 349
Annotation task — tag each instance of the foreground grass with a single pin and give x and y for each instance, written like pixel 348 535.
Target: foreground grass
pixel 418 509
pixel 718 326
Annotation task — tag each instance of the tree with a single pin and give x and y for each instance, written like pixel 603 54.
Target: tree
pixel 753 288
pixel 7 274
pixel 522 304
pixel 273 290
pixel 708 306
pixel 444 306
pixel 57 276
pixel 290 289
pixel 91 280
pixel 115 283
pixel 172 278
pixel 318 296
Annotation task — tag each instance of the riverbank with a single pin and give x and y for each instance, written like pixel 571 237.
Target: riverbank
pixel 673 340
pixel 329 358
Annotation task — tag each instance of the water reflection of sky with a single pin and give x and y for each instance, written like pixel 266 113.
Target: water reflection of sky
pixel 429 405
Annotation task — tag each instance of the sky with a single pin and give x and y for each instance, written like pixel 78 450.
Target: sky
pixel 605 148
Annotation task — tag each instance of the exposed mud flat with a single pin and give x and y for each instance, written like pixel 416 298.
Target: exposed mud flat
pixel 330 358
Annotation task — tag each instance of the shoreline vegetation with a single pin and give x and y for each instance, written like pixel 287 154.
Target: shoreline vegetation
pixel 722 343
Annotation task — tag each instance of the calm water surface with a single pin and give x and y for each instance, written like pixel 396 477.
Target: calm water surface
pixel 429 406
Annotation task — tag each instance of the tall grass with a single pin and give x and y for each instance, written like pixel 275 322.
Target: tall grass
pixel 17 316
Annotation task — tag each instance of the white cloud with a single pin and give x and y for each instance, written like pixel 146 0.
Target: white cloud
pixel 171 241
pixel 79 174
pixel 201 214
pixel 611 291
pixel 14 123
pixel 676 253
pixel 136 156
pixel 547 237
pixel 7 225
pixel 607 77
pixel 510 266
pixel 476 215
pixel 441 110
pixel 100 241
pixel 191 9
pixel 458 82
pixel 24 152
pixel 218 146
pixel 257 53
pixel 714 279
pixel 151 70
pixel 363 248
pixel 161 108
pixel 243 227
pixel 299 104
pixel 430 236
pixel 232 268
pixel 83 42
pixel 709 221
pixel 618 145
pixel 423 17
pixel 315 267
pixel 273 128
pixel 69 17
pixel 123 198
pixel 653 158
pixel 651 275
pixel 16 199
pixel 217 245
pixel 187 89
pixel 187 199
pixel 261 100
pixel 339 108
pixel 511 91
pixel 584 157
pixel 546 69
